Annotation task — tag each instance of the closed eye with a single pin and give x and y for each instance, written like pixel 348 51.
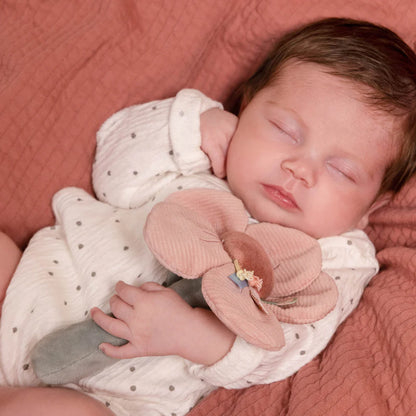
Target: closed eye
pixel 342 172
pixel 282 132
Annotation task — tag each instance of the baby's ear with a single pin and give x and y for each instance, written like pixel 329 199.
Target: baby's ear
pixel 380 201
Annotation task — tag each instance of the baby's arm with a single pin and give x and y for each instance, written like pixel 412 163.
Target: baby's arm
pixel 157 321
pixel 10 255
pixel 143 148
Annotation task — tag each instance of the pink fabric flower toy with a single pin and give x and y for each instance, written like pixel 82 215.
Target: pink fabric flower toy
pixel 254 276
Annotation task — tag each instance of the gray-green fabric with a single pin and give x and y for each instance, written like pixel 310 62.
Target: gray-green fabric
pixel 71 353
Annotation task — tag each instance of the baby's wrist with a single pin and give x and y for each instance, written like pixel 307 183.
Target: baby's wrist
pixel 207 339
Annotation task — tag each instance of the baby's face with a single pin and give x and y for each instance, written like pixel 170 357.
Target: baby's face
pixel 309 154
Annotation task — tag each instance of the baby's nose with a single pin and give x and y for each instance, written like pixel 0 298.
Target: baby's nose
pixel 302 169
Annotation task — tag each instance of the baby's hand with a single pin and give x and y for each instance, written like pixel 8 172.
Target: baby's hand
pixel 217 129
pixel 156 321
pixel 149 317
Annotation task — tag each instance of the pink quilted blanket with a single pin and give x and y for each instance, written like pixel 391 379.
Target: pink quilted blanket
pixel 65 66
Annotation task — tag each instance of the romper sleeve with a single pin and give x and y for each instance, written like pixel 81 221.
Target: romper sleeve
pixel 350 260
pixel 143 147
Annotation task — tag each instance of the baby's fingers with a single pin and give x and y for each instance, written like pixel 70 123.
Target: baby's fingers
pixel 112 325
pixel 128 293
pixel 125 351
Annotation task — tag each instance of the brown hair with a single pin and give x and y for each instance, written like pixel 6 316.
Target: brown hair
pixel 362 52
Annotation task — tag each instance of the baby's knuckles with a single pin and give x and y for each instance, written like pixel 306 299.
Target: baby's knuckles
pixel 160 318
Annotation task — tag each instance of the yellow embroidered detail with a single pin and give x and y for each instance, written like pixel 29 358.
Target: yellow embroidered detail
pixel 243 274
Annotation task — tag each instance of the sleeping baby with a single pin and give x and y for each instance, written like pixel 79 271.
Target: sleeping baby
pixel 261 216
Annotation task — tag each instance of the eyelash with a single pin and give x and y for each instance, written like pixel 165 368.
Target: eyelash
pixel 344 174
pixel 284 132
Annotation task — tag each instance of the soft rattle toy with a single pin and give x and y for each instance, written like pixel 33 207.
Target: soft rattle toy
pixel 252 276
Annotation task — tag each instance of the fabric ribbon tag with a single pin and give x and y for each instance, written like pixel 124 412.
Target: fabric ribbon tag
pixel 240 283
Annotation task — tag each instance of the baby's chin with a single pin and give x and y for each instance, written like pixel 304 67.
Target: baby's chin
pixel 296 223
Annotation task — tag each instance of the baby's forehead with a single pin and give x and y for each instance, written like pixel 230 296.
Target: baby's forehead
pixel 387 139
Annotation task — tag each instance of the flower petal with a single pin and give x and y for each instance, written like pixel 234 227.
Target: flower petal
pixel 183 241
pixel 295 257
pixel 236 308
pixel 312 303
pixel 221 209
